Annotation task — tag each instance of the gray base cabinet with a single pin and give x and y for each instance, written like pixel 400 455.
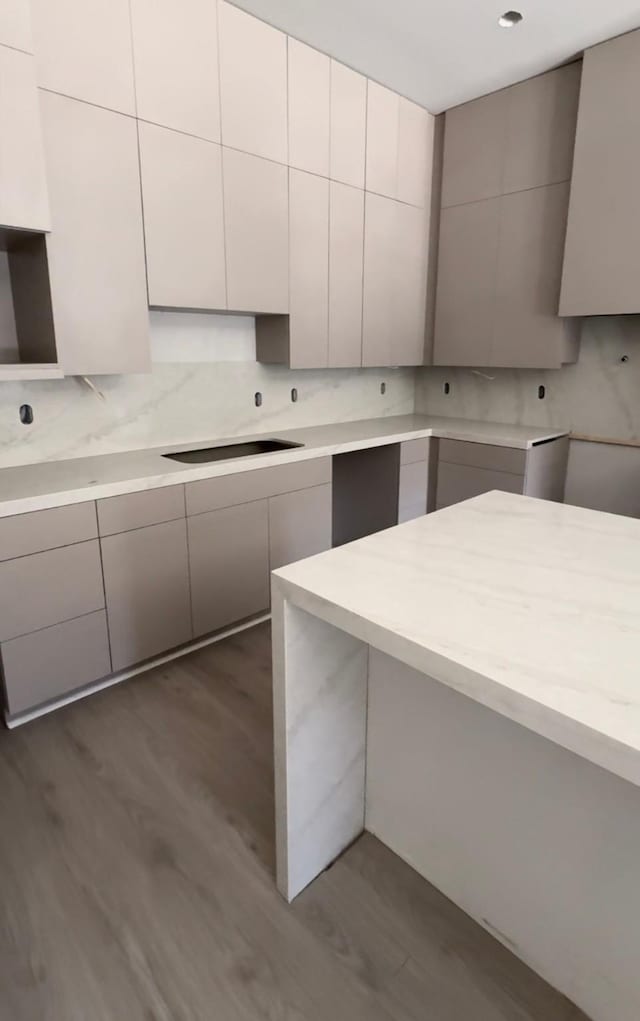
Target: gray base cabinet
pixel 466 470
pixel 146 582
pixel 229 563
pixel 299 525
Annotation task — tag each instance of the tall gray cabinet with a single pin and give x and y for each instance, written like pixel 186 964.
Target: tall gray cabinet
pixel 505 191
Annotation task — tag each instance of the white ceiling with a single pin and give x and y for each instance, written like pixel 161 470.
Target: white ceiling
pixel 443 53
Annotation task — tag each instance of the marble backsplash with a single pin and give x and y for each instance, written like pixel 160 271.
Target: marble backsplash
pixel 189 400
pixel 599 396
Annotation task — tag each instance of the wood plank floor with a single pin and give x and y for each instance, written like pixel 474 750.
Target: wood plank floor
pixel 136 876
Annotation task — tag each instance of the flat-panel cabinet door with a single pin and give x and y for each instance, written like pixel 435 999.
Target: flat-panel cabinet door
pixel 378 308
pixel 175 47
pixel 96 248
pixel 346 238
pixel 229 561
pixel 253 84
pixel 458 482
pixel 415 153
pixel 256 233
pixel 383 113
pixel 465 296
pixel 83 50
pixel 348 125
pixel 474 149
pixel 412 491
pixel 146 581
pixel 600 272
pixel 308 269
pixel 183 219
pixel 528 333
pixel 299 525
pixel 410 297
pixel 309 99
pixel 24 201
pixel 15 25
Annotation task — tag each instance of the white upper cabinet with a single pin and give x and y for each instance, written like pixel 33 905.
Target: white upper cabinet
pixel 23 186
pixel 83 50
pixel 309 101
pixel 399 147
pixel 256 233
pixel 253 84
pixel 183 219
pixel 415 153
pixel 348 125
pixel 383 117
pixel 346 240
pixel 309 270
pixel 15 25
pixel 96 247
pixel 175 49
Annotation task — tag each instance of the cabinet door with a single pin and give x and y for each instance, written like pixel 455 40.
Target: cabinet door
pixel 346 239
pixel 541 129
pixel 24 201
pixel 253 84
pixel 458 482
pixel 54 661
pixel 415 153
pixel 83 49
pixel 299 525
pixel 600 273
pixel 229 560
pixel 383 113
pixel 175 48
pixel 308 269
pixel 183 219
pixel 528 333
pixel 96 248
pixel 412 491
pixel 348 125
pixel 465 296
pixel 309 96
pixel 395 263
pixel 410 277
pixel 146 582
pixel 474 149
pixel 378 308
pixel 15 25
pixel 256 232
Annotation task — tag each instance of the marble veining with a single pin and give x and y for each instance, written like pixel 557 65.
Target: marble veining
pixel 58 483
pixel 529 607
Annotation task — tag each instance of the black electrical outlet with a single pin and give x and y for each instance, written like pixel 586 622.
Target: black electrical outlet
pixel 26 414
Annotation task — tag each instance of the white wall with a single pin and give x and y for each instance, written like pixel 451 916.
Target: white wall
pixel 599 396
pixel 201 388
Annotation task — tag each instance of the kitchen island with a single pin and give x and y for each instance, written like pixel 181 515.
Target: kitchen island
pixel 466 686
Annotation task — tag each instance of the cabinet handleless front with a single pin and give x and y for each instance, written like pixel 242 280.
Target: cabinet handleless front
pixel 229 562
pixel 146 581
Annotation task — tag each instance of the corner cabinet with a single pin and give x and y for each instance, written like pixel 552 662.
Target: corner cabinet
pixel 600 274
pixel 96 247
pixel 505 195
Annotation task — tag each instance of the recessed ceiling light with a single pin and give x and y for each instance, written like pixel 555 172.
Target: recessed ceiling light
pixel 509 19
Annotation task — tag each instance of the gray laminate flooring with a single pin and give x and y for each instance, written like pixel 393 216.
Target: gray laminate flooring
pixel 136 876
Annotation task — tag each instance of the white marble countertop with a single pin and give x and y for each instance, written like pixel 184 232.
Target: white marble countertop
pixel 59 483
pixel 529 607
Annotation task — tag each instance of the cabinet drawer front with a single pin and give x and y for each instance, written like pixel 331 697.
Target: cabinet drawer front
pixel 48 588
pixel 23 534
pixel 484 455
pixel 259 484
pixel 414 450
pixel 299 525
pixel 229 562
pixel 412 492
pixel 146 581
pixel 54 661
pixel 135 510
pixel 458 482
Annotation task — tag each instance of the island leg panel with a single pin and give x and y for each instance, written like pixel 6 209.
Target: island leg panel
pixel 320 723
pixel 538 845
